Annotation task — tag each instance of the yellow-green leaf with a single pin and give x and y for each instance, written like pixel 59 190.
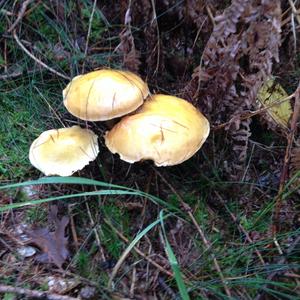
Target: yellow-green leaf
pixel 271 93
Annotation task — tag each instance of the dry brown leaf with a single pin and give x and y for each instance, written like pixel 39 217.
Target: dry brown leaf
pixel 52 244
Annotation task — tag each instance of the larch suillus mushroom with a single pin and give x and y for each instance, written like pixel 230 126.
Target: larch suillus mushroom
pixel 166 129
pixel 63 151
pixel 104 94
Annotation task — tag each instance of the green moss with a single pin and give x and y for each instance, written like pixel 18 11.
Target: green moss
pixel 24 115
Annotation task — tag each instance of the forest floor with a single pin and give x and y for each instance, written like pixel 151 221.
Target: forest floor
pixel 224 224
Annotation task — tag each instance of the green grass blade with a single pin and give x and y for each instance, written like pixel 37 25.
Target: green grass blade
pixel 62 180
pixel 131 246
pixel 174 263
pixel 81 181
pixel 94 193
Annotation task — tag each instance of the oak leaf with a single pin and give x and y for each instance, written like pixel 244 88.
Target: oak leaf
pixel 52 244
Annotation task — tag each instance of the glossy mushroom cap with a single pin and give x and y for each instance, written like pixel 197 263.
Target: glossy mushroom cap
pixel 166 129
pixel 63 151
pixel 104 94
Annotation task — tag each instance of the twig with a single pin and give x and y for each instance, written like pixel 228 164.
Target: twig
pixel 133 281
pixel 95 231
pixel 6 245
pixel 5 56
pixel 254 113
pixel 12 75
pixel 33 293
pixel 284 172
pixel 294 10
pixel 158 36
pixel 241 228
pixel 20 15
pixel 210 15
pixel 73 229
pixel 138 251
pixel 16 74
pixel 36 59
pixel 50 107
pixel 88 34
pixel 281 261
pixel 206 242
pixel 6 12
pixel 288 19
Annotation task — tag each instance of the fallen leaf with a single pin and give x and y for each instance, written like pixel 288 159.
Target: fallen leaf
pixel 52 244
pixel 271 93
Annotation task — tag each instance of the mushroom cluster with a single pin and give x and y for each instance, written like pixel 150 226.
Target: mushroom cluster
pixel 162 128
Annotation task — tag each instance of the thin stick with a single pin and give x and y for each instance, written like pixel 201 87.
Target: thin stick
pixel 288 18
pixel 6 12
pixel 211 16
pixel 206 242
pixel 294 10
pixel 254 113
pixel 73 229
pixel 33 293
pixel 20 15
pixel 6 245
pixel 88 34
pixel 50 107
pixel 133 281
pixel 138 251
pixel 242 229
pixel 36 59
pixel 281 261
pixel 12 75
pixel 284 172
pixel 5 56
pixel 158 36
pixel 95 231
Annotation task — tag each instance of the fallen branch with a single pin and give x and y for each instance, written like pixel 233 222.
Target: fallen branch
pixel 33 293
pixel 36 59
pixel 20 15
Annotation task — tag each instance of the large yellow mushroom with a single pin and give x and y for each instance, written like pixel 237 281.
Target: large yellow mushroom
pixel 63 151
pixel 104 94
pixel 166 129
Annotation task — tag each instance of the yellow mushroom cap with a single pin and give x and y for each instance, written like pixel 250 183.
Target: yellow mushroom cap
pixel 63 151
pixel 166 129
pixel 104 94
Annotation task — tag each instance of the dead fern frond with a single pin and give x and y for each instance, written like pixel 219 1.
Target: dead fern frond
pixel 237 59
